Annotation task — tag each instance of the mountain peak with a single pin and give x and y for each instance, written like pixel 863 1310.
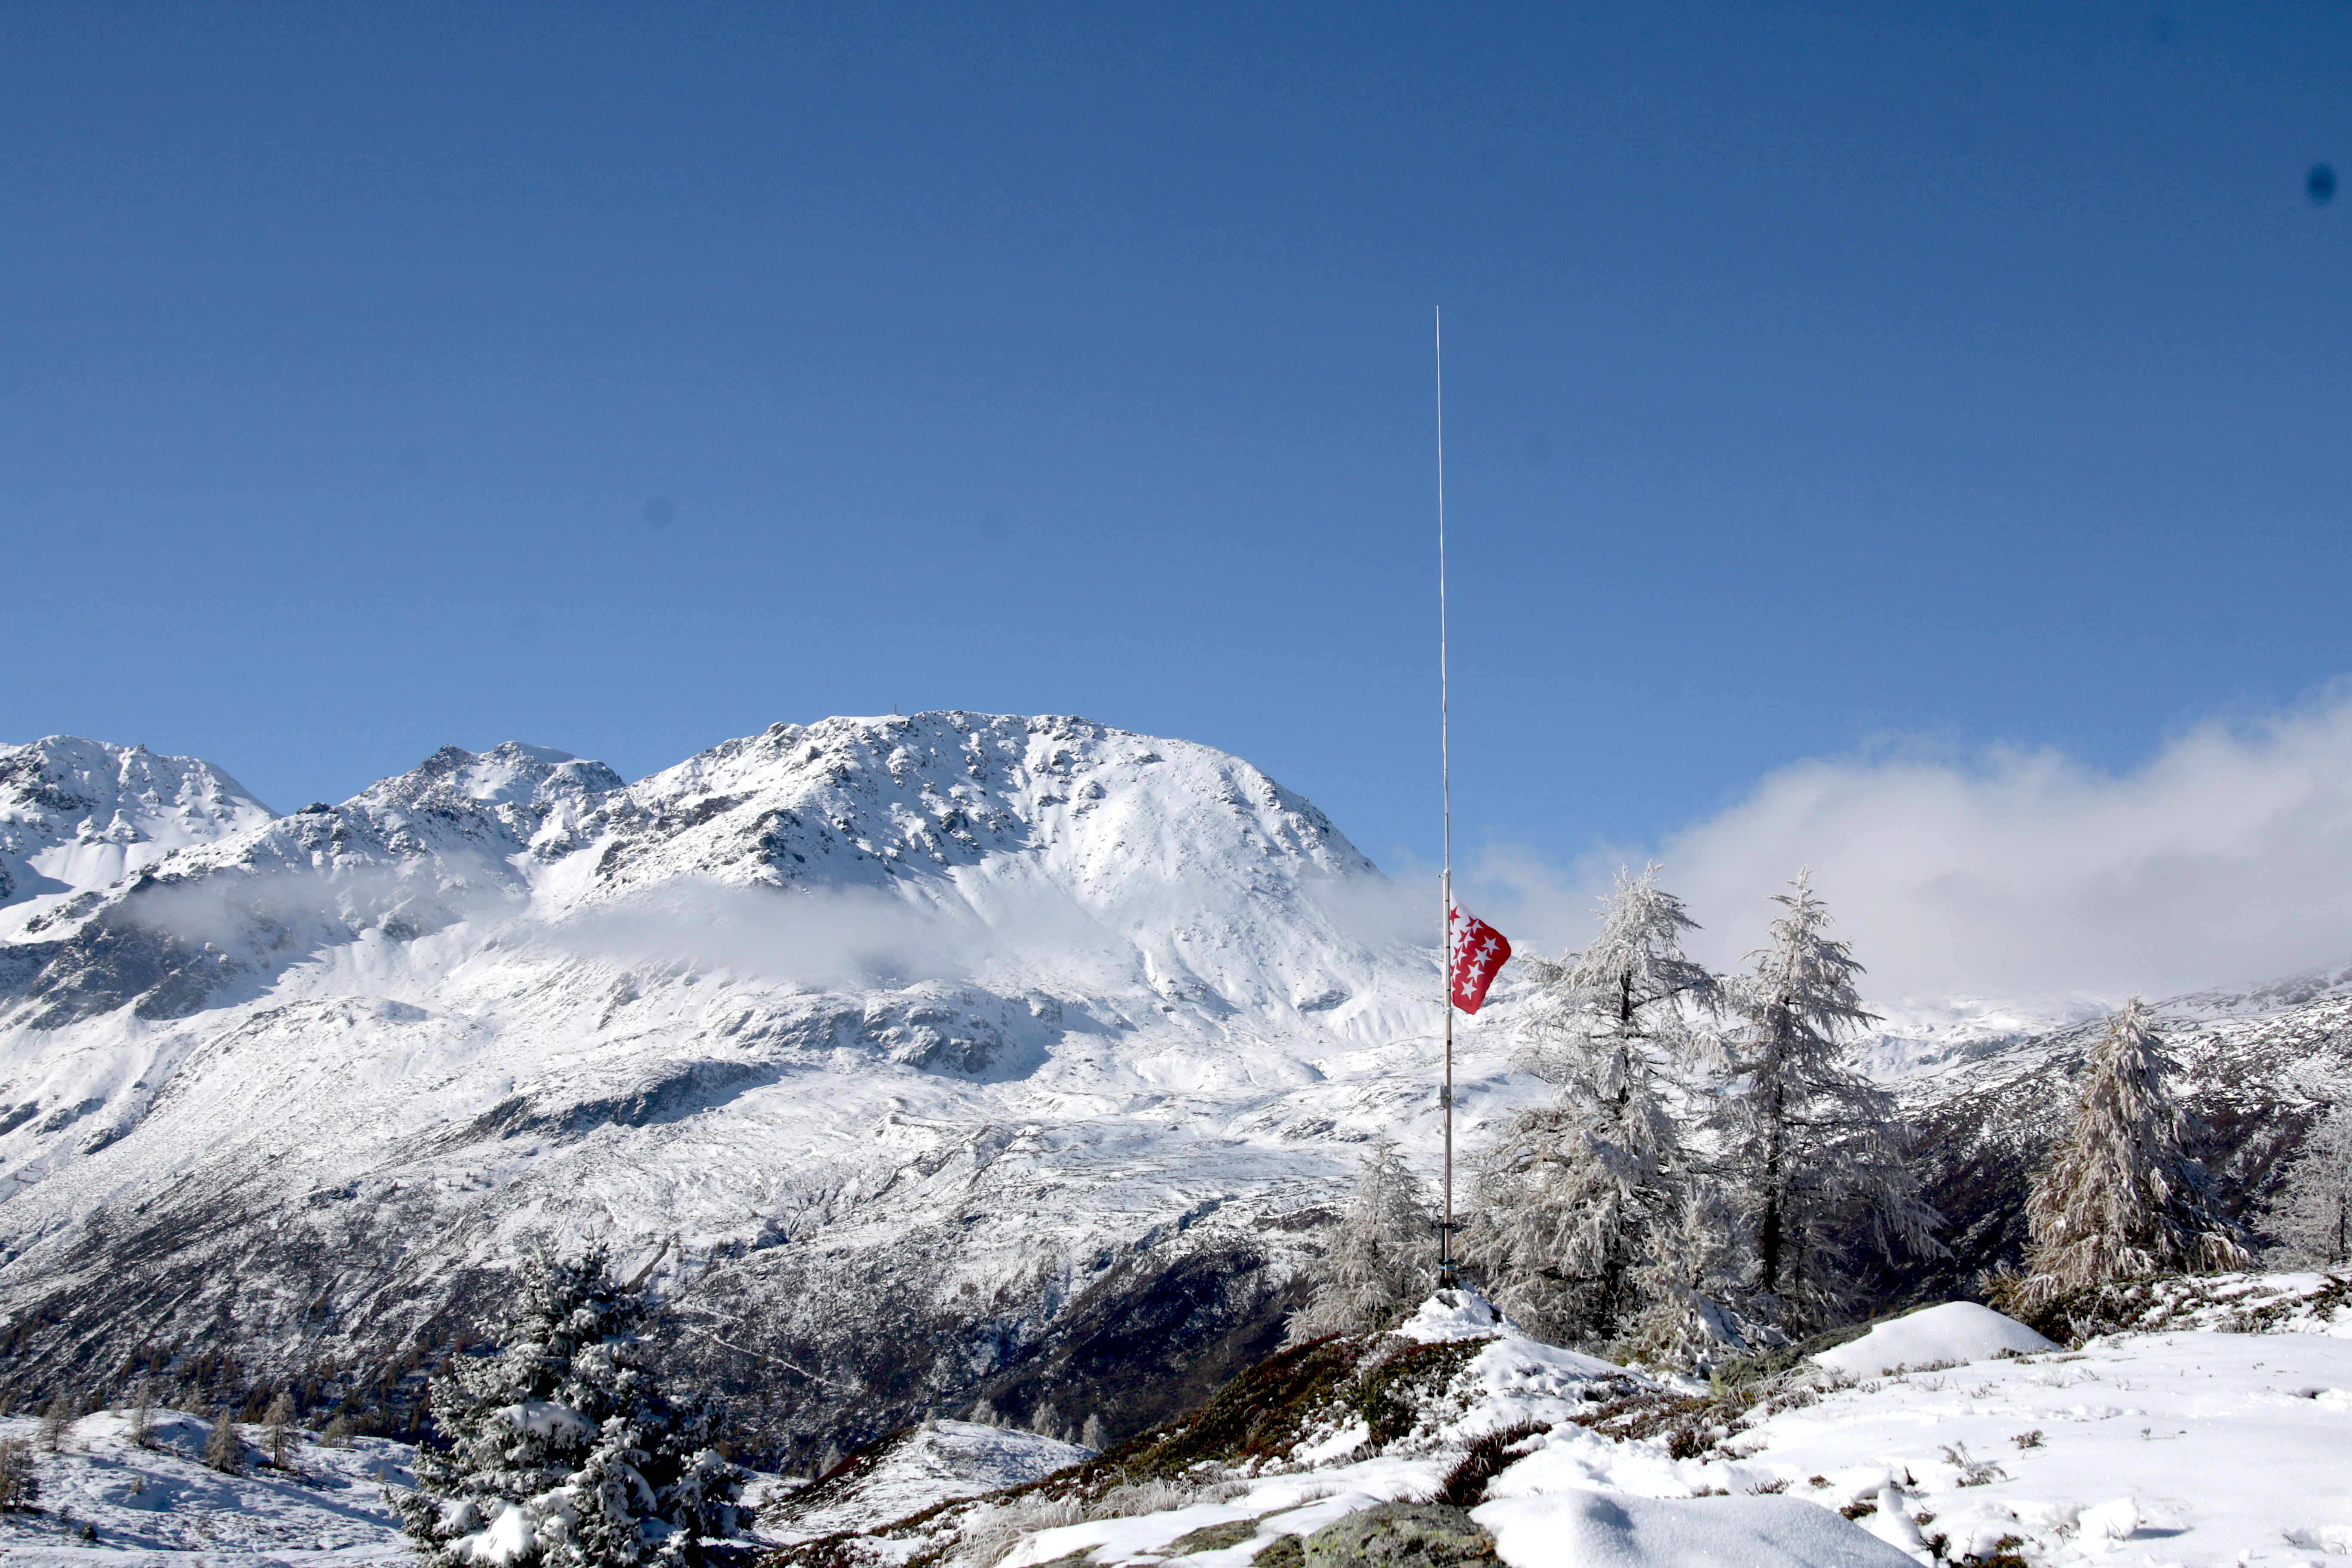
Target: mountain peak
pixel 512 772
pixel 77 814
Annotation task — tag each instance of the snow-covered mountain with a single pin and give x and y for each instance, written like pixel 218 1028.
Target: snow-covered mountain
pixel 920 1050
pixel 81 814
pixel 928 1061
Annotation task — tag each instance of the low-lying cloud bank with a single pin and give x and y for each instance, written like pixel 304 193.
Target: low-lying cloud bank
pixel 2226 859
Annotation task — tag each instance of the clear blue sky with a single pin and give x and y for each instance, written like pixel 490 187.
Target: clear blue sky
pixel 623 378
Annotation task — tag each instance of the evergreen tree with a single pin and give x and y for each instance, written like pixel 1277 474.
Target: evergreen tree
pixel 1381 1260
pixel 2312 1214
pixel 566 1452
pixel 279 1424
pixel 57 1419
pixel 20 1488
pixel 1814 1149
pixel 224 1449
pixel 1680 1286
pixel 2119 1196
pixel 142 1415
pixel 1581 1198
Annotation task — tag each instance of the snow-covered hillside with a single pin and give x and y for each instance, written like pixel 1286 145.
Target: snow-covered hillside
pixel 105 1499
pixel 978 1028
pixel 910 1472
pixel 2214 1437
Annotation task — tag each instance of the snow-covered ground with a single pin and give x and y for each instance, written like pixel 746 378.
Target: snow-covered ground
pixel 2191 1447
pixel 161 1505
pixel 2188 1447
pixel 2197 1446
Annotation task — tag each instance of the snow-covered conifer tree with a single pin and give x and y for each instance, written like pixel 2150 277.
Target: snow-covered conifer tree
pixel 1382 1258
pixel 1687 1272
pixel 1814 1149
pixel 565 1451
pixel 2119 1196
pixel 2312 1214
pixel 1578 1195
pixel 223 1448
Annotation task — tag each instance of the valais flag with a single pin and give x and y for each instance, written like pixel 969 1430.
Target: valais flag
pixel 1479 951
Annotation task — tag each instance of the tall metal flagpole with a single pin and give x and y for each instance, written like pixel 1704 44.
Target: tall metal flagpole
pixel 1446 1271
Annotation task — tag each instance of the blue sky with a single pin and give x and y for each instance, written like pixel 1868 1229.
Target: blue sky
pixel 625 378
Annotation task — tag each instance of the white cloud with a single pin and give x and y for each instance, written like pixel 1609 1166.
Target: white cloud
pixel 2227 857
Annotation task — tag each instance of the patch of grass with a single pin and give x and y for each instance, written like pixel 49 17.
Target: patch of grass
pixel 1258 1414
pixel 1212 1538
pixel 1770 1364
pixel 1465 1484
pixel 1689 1424
pixel 1391 1395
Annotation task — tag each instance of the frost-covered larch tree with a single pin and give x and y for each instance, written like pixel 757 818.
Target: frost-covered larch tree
pixel 2312 1214
pixel 2119 1196
pixel 1579 1198
pixel 1814 1149
pixel 1382 1259
pixel 564 1451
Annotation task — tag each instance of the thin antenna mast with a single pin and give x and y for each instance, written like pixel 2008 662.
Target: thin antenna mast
pixel 1445 1269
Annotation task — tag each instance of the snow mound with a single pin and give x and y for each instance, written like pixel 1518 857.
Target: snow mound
pixel 1952 1335
pixel 1616 1529
pixel 1452 1315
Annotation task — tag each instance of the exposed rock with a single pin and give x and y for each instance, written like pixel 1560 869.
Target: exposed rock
pixel 1401 1535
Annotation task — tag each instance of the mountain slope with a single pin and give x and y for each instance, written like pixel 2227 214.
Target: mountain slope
pixel 900 1044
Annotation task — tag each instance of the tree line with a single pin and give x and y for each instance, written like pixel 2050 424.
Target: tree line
pixel 1710 1172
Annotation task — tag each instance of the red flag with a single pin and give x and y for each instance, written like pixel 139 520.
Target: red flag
pixel 1479 951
